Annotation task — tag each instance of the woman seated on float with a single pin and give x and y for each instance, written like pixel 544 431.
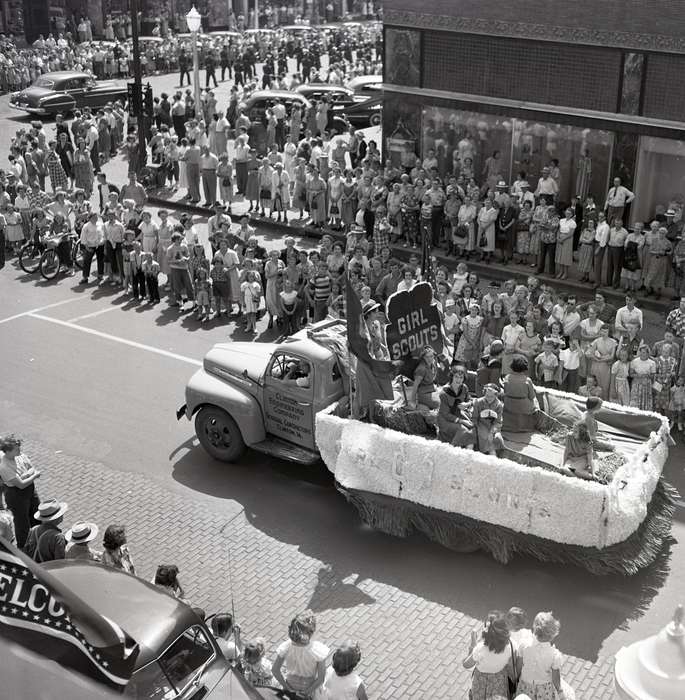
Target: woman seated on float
pixel 423 390
pixel 487 417
pixel 520 402
pixel 454 425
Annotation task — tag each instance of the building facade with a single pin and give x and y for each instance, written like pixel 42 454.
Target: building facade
pixel 594 86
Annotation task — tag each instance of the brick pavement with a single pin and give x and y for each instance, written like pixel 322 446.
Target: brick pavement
pixel 402 634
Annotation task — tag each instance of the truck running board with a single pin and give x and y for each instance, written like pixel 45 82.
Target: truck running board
pixel 286 450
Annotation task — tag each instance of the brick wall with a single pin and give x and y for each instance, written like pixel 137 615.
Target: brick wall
pixel 660 17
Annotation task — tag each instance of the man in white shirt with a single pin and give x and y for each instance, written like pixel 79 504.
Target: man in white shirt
pixel 93 242
pixel 601 241
pixel 628 314
pixel 615 246
pixel 547 186
pixel 617 199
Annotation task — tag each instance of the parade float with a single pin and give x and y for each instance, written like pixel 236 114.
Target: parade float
pixel 517 501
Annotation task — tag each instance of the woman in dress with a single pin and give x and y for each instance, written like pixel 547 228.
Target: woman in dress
pixel 666 369
pixel 295 123
pixel 631 273
pixel 601 353
pixel 115 549
pixel 182 165
pixel 523 222
pixel 642 373
pixel 58 177
pixel 512 335
pixel 530 346
pixel 316 197
pixel 272 272
pixel 620 372
pixel 494 323
pixel 659 261
pixel 289 153
pixel 520 402
pixel 271 123
pixel 300 189
pixel 348 202
pixel 586 251
pixel 491 659
pixel 469 345
pixel 252 187
pixel 83 169
pixel 65 151
pixel 104 137
pixel 454 425
pixel 564 250
pixel 422 390
pixel 409 207
pixel 487 217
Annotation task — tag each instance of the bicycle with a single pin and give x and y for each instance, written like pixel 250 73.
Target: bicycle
pixel 29 256
pixel 51 260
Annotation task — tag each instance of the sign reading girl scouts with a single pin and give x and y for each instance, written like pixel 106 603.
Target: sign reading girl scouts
pixel 414 321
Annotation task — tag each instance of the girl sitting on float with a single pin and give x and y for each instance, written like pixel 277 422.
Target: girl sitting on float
pixel 422 390
pixel 454 425
pixel 487 418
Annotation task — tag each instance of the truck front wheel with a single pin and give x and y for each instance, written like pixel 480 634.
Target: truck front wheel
pixel 219 434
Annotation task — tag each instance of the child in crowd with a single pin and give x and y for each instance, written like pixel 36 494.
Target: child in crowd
pixel 677 404
pixel 203 294
pixel 221 286
pixel 150 269
pixel 251 291
pixel 461 277
pixel 342 681
pixel 126 249
pixel 257 666
pixel 620 371
pixel 578 457
pixel 539 662
pixel 547 365
pixel 570 362
pixel 519 632
pixel 591 387
pixel 303 658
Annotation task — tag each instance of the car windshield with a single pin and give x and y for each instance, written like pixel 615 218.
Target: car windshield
pixel 167 677
pixel 44 82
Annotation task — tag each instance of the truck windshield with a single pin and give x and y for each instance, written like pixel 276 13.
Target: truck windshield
pixel 167 677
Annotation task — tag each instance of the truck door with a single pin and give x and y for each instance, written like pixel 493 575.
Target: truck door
pixel 288 396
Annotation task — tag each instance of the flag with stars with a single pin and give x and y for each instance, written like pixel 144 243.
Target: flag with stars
pixel 39 612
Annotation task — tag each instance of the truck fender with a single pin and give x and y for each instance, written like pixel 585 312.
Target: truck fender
pixel 205 390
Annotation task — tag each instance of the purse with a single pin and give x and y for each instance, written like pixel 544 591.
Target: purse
pixel 314 205
pixel 482 241
pixel 657 386
pixel 226 181
pixel 264 193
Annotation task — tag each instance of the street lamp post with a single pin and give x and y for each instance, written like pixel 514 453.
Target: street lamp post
pixel 194 21
pixel 136 109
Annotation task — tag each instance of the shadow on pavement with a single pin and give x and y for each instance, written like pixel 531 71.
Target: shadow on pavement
pixel 325 527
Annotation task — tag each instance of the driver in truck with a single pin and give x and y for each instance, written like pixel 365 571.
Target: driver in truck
pixel 298 374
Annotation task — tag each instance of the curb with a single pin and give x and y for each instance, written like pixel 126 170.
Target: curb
pixel 497 272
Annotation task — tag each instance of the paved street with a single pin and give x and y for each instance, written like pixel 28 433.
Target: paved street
pixel 92 381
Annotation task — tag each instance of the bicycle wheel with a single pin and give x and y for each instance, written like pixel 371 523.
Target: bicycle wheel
pixel 49 264
pixel 29 258
pixel 77 255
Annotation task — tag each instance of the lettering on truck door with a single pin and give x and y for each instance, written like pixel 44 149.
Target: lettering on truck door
pixel 288 394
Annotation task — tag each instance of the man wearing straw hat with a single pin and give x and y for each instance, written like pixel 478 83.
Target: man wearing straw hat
pixel 78 537
pixel 46 541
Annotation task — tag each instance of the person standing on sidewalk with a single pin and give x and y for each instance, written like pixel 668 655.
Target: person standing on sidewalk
pixel 601 241
pixel 93 242
pixel 615 245
pixel 208 165
pixel 618 198
pixel 184 66
pixel 17 476
pixel 548 241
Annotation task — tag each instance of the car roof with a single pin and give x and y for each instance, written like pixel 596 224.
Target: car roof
pixel 149 615
pixel 321 87
pixel 273 94
pixel 64 74
pixel 365 80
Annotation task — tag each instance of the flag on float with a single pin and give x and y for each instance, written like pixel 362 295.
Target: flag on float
pixel 427 267
pixel 42 614
pixel 373 378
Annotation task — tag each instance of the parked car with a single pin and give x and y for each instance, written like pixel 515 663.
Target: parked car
pixel 178 657
pixel 65 91
pixel 358 110
pixel 369 85
pixel 258 102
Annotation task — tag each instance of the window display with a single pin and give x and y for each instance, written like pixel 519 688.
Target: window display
pixel 660 178
pixel 492 148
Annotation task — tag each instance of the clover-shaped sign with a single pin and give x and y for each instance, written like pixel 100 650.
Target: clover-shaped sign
pixel 414 321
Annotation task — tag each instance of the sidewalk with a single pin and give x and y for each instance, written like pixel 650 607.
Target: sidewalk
pixel 412 645
pixel 497 271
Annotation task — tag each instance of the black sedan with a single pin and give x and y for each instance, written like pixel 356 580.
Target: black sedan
pixel 65 91
pixel 358 110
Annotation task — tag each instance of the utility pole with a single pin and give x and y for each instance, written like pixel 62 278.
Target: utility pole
pixel 137 107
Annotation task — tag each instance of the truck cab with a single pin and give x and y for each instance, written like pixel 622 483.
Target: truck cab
pixel 264 396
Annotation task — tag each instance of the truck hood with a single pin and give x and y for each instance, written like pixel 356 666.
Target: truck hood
pixel 235 358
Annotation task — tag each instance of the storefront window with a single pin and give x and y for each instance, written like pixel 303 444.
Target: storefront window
pixel 583 156
pixel 468 143
pixel 497 148
pixel 660 180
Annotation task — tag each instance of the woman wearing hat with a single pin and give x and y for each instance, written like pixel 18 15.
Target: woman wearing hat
pixel 487 418
pixel 78 537
pixel 17 477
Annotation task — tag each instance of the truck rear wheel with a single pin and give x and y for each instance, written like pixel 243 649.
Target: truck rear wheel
pixel 219 434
